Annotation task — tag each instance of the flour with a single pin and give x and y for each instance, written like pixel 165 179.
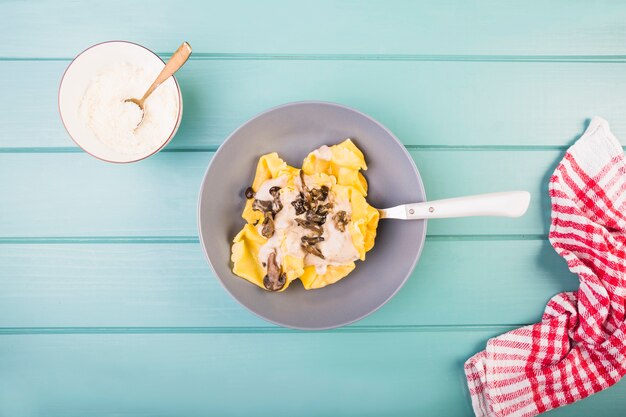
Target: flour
pixel 116 123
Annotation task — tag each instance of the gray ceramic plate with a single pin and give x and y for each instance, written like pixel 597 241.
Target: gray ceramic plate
pixel 293 130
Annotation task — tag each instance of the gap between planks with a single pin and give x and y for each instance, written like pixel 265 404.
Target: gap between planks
pixel 209 149
pixel 5 331
pixel 373 57
pixel 41 240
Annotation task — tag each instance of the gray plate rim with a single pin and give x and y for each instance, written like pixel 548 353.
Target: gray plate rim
pixel 422 237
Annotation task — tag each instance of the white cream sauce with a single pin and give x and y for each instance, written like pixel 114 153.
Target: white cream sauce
pixel 263 193
pixel 285 229
pixel 324 153
pixel 337 246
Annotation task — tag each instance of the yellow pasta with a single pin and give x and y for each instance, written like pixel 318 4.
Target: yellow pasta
pixel 334 170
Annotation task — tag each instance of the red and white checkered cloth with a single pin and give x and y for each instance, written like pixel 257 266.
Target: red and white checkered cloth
pixel 579 347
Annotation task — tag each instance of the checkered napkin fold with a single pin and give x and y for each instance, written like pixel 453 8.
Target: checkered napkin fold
pixel 579 347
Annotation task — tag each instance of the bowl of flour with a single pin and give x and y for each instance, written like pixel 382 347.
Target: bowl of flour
pixel 94 112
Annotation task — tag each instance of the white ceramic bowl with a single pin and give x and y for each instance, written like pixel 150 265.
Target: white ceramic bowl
pixel 77 77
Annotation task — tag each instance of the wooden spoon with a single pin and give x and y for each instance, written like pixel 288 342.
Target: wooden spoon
pixel 176 61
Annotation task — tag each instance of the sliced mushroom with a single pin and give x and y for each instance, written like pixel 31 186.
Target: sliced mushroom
pixel 307 224
pixel 262 205
pixel 319 194
pixel 313 250
pixel 306 193
pixel 274 280
pixel 277 205
pixel 273 206
pixel 275 286
pixel 341 219
pixel 308 200
pixel 311 240
pixel 268 226
pixel 322 209
pixel 324 190
pixel 315 218
pixel 304 187
pixel 299 204
pixel 316 194
pixel 274 190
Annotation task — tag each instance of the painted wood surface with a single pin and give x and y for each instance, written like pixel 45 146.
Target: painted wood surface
pixel 49 29
pixel 310 374
pixel 86 197
pixel 169 285
pixel 426 104
pixel 107 306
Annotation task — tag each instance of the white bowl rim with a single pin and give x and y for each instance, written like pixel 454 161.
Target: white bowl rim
pixel 178 117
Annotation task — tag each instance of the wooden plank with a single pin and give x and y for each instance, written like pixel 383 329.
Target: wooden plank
pixel 73 194
pixel 171 285
pixel 424 103
pixel 304 374
pixel 52 29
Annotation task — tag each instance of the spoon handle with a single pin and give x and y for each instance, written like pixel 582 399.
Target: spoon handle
pixel 176 61
pixel 506 204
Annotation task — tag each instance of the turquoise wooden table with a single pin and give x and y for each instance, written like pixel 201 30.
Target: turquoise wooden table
pixel 107 305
